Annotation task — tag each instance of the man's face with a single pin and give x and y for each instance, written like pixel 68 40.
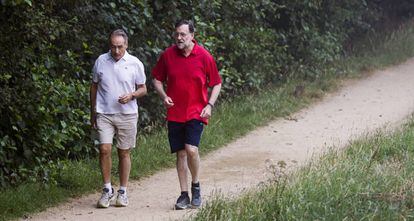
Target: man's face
pixel 118 47
pixel 183 37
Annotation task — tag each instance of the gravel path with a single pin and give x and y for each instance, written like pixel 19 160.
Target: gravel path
pixel 385 98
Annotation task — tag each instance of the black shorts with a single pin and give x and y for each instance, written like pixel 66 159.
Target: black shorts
pixel 180 134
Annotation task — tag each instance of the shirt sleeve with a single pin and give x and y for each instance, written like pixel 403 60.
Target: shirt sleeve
pixel 140 74
pixel 95 76
pixel 212 72
pixel 160 72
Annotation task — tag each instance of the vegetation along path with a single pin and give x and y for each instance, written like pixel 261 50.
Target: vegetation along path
pixel 384 98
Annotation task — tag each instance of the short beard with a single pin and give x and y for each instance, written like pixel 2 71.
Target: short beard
pixel 181 46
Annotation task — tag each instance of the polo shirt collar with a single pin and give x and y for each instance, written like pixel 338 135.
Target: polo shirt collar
pixel 125 57
pixel 195 48
pixel 193 52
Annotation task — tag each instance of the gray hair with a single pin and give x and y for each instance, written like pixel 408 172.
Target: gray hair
pixel 119 32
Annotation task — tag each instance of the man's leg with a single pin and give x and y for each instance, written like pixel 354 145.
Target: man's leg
pixel 105 161
pixel 126 130
pixel 183 202
pixel 126 140
pixel 106 130
pixel 176 135
pixel 194 129
pixel 194 166
pixel 182 169
pixel 124 170
pixel 193 160
pixel 124 166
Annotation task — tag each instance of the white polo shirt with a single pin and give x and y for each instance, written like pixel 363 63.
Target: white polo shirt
pixel 116 78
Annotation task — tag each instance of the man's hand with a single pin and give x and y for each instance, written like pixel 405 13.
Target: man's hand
pixel 206 112
pixel 123 99
pixel 168 102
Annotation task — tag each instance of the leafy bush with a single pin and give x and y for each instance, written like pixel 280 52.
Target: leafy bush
pixel 48 49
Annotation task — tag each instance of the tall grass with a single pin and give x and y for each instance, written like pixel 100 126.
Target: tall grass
pixel 230 121
pixel 373 179
pixel 381 49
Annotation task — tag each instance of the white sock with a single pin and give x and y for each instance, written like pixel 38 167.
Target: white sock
pixel 123 188
pixel 108 185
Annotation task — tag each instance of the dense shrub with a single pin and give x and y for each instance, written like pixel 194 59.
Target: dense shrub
pixel 48 49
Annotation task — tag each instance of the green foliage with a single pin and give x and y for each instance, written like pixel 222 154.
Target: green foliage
pixel 370 180
pixel 48 49
pixel 43 107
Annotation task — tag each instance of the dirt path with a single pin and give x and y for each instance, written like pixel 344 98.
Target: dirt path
pixel 385 98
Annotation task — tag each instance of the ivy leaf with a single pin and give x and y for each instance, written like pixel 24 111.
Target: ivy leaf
pixel 63 124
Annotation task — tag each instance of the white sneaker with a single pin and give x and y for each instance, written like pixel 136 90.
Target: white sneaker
pixel 106 198
pixel 121 199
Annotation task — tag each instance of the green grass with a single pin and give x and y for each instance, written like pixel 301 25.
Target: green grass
pixel 230 121
pixel 373 179
pixel 381 49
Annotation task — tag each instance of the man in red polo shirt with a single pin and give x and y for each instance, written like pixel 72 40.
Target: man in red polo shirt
pixel 188 71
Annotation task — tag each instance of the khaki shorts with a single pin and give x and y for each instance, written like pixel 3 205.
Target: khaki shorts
pixel 124 126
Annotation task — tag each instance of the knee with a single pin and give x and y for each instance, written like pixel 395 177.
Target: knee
pixel 122 154
pixel 192 151
pixel 105 150
pixel 181 155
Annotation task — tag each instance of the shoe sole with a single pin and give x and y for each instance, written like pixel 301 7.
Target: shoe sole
pixel 195 206
pixel 98 205
pixel 182 208
pixel 121 205
pixel 102 206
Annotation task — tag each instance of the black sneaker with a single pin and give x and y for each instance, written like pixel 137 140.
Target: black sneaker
pixel 183 202
pixel 195 196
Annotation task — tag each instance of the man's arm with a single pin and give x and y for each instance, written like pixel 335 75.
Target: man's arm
pixel 139 92
pixel 206 112
pixel 214 94
pixel 92 96
pixel 159 87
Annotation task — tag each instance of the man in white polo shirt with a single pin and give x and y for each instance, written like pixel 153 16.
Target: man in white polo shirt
pixel 118 79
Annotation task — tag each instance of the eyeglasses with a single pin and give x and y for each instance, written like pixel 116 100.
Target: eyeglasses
pixel 180 34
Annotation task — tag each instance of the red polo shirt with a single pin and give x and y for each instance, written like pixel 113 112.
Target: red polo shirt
pixel 187 81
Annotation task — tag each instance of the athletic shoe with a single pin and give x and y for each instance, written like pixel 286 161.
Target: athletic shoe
pixel 183 202
pixel 195 196
pixel 121 199
pixel 106 198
